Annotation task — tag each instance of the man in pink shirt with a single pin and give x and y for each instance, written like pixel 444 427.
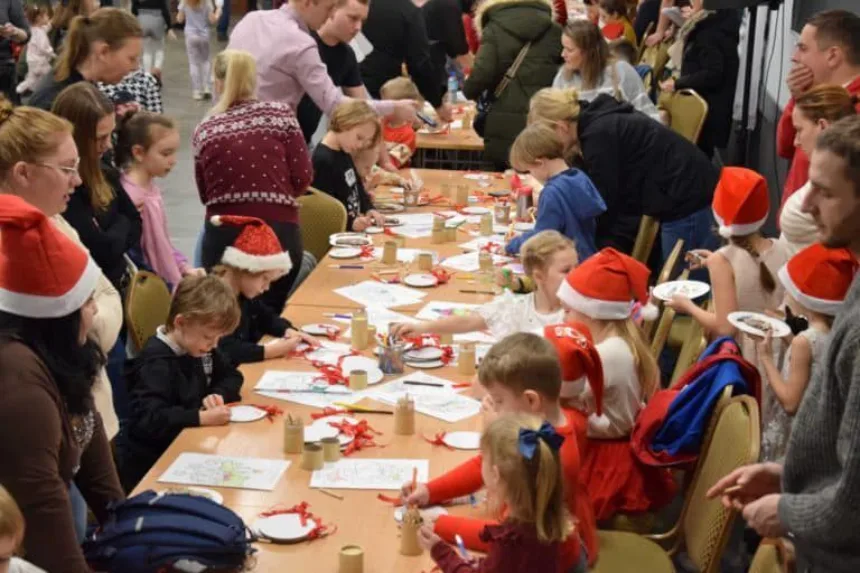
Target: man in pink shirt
pixel 288 60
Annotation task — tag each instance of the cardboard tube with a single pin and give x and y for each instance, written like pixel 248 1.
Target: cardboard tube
pixel 409 532
pixel 486 224
pixel 294 436
pixel 312 457
pixel 351 559
pixel 438 223
pixel 466 360
pixel 404 417
pixel 389 253
pixel 358 331
pixel 502 213
pixel 438 236
pixel 331 449
pixel 358 380
pixel 425 261
pixel 462 196
pixel 450 234
pixel 485 262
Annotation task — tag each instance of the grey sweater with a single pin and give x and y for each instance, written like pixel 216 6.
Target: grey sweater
pixel 820 503
pixel 11 11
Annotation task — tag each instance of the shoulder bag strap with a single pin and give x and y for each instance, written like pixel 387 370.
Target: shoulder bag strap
pixel 512 71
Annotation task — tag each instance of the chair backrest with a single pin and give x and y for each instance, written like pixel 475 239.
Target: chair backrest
pixel 664 325
pixel 645 239
pixel 147 303
pixel 320 216
pixel 671 262
pixel 768 557
pixel 642 45
pixel 687 112
pixel 694 343
pixel 734 442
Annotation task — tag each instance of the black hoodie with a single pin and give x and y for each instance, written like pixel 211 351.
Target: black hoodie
pixel 640 166
pixel 241 346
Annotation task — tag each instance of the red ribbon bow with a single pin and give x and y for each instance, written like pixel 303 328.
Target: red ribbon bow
pixel 492 247
pixel 366 251
pixel 333 374
pixel 305 516
pixel 438 440
pixel 362 435
pixel 441 275
pixel 328 411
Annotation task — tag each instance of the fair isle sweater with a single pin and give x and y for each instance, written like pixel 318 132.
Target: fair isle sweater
pixel 820 502
pixel 252 160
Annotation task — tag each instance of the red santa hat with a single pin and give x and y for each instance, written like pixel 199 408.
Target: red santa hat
pixel 579 360
pixel 43 273
pixel 606 285
pixel 819 278
pixel 256 249
pixel 741 202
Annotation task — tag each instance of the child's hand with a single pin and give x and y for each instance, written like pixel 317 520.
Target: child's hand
pixel 405 329
pixel 280 347
pixel 292 333
pixel 213 401
pixel 218 416
pixel 419 497
pixel 764 347
pixel 377 217
pixel 668 86
pixel 680 303
pixel 504 278
pixel 426 538
pixel 361 223
pixel 697 258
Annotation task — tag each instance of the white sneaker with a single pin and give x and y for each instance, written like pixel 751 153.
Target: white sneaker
pixel 197 95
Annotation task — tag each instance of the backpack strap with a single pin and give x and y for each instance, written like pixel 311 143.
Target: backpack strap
pixel 511 73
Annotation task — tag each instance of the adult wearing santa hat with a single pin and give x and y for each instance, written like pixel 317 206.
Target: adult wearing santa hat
pixel 52 434
pixel 601 293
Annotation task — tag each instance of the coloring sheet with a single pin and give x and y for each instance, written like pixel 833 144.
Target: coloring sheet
pixel 308 392
pixel 369 474
pixel 223 471
pixel 405 255
pixel 441 403
pixel 468 262
pixel 373 293
pixel 478 244
pixel 437 309
pixel 391 392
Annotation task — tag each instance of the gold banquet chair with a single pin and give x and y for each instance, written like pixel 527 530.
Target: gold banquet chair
pixel 687 113
pixel 771 557
pixel 649 227
pixel 320 216
pixel 147 303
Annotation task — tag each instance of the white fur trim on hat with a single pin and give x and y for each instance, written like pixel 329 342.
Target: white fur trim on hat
pixel 592 307
pixel 215 220
pixel 38 306
pixel 824 306
pixel 727 231
pixel 256 263
pixel 649 312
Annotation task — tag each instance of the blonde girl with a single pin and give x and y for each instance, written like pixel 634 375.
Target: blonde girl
pixel 11 536
pixel 353 127
pixel 547 257
pixel 743 272
pixel 600 294
pixel 521 470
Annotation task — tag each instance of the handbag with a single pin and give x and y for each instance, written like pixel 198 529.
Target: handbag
pixel 485 101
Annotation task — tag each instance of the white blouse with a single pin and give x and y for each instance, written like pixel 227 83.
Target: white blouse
pixel 510 313
pixel 798 228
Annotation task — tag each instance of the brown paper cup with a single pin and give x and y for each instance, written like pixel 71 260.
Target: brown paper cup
pixel 294 437
pixel 450 234
pixel 389 253
pixel 425 261
pixel 486 225
pixel 331 449
pixel 466 360
pixel 438 223
pixel 409 533
pixel 438 236
pixel 358 332
pixel 351 559
pixel 404 419
pixel 358 380
pixel 485 262
pixel 312 457
pixel 462 195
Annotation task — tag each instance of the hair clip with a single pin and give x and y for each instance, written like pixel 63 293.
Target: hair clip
pixel 528 439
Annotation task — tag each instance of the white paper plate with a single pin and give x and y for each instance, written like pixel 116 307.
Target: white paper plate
pixel 319 329
pixel 425 354
pixel 690 289
pixel 322 429
pixel 373 230
pixel 429 513
pixel 425 364
pixel 371 366
pixel 740 320
pixel 349 240
pixel 344 252
pixel 246 414
pixel 390 207
pixel 392 222
pixel 474 210
pixel 210 494
pixel 286 527
pixel 420 280
pixel 522 226
pixel 463 440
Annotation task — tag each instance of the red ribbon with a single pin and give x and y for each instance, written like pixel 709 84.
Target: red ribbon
pixel 432 341
pixel 389 232
pixel 362 434
pixel 271 411
pixel 333 374
pixel 328 411
pixel 366 251
pixel 396 501
pixel 441 275
pixel 438 440
pixel 492 247
pixel 305 516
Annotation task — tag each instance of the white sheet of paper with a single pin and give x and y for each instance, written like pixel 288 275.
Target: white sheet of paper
pixel 369 474
pixel 273 380
pixel 478 244
pixel 373 293
pixel 224 471
pixel 361 46
pixel 457 124
pixel 468 262
pixel 315 400
pixel 437 309
pixel 405 255
pixel 391 392
pixel 446 406
pixel 379 317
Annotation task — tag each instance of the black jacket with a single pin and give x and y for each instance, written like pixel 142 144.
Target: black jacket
pixel 396 30
pixel 640 166
pixel 710 66
pixel 108 234
pixel 166 393
pixel 257 320
pixel 47 90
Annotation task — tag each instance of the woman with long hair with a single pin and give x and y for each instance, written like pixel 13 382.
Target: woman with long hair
pixel 63 15
pixel 591 70
pixel 250 158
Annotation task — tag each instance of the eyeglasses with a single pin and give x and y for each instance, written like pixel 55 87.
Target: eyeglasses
pixel 69 171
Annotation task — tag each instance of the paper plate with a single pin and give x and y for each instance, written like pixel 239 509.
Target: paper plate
pixel 474 210
pixel 522 226
pixel 373 230
pixel 319 329
pixel 285 528
pixel 690 289
pixel 322 429
pixel 425 364
pixel 246 414
pixel 390 208
pixel 344 252
pixel 463 440
pixel 329 352
pixel 756 323
pixel 371 366
pixel 420 280
pixel 209 494
pixel 429 513
pixel 392 222
pixel 500 193
pixel 349 240
pixel 425 354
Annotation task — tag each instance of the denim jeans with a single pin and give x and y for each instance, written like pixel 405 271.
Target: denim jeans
pixel 224 20
pixel 697 231
pixel 79 512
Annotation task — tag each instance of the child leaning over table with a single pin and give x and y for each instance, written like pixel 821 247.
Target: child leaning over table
pixel 521 375
pixel 249 266
pixel 397 130
pixel 180 379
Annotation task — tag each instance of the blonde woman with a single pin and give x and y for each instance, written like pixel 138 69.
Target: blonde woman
pixel 250 159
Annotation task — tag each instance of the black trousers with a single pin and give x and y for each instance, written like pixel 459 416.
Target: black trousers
pixel 9 82
pixel 217 239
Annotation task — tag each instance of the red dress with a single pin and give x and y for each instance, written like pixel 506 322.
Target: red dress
pixel 511 548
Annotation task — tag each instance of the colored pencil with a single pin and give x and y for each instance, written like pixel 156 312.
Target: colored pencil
pixel 416 383
pixel 475 291
pixel 356 267
pixel 330 494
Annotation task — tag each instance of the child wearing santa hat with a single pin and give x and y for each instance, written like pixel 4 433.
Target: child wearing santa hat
pixel 249 266
pixel 816 281
pixel 743 272
pixel 601 294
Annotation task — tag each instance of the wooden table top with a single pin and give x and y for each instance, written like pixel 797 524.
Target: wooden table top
pixel 361 519
pixel 459 139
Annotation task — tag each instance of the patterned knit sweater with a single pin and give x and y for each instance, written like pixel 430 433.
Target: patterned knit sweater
pixel 252 160
pixel 820 503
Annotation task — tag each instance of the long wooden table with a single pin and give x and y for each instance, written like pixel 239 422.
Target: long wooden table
pixel 458 148
pixel 361 519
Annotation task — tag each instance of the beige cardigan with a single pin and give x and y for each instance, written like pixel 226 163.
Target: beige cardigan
pixel 105 331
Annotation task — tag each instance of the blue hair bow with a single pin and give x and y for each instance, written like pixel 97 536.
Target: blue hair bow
pixel 528 439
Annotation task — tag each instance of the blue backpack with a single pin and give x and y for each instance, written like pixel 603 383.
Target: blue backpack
pixel 158 533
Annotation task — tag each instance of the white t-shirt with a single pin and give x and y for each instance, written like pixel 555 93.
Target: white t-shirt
pixel 510 313
pixel 17 565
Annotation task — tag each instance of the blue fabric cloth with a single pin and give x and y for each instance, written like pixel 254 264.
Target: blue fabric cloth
pixel 688 415
pixel 79 512
pixel 569 204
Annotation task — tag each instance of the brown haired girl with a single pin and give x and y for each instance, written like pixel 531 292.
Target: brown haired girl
pixel 104 47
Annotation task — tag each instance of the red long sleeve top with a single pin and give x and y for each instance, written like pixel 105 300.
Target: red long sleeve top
pixel 466 479
pixel 512 548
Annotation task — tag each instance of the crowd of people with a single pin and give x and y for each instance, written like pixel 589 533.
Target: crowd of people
pixel 298 103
